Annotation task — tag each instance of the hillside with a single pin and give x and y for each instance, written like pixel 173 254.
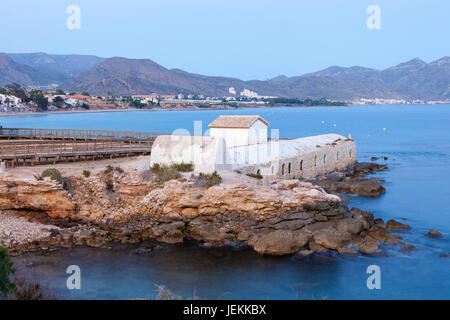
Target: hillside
pixel 11 71
pixel 415 79
pixel 63 67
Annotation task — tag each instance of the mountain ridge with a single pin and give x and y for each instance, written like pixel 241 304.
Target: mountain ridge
pixel 413 79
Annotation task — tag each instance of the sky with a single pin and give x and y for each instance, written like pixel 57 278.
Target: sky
pixel 247 39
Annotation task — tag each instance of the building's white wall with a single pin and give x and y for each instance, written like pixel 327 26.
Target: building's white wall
pixel 234 137
pixel 307 158
pixel 205 153
pixel 257 133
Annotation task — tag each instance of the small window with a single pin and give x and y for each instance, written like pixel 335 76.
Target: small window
pixel 272 169
pixel 289 168
pixel 282 169
pixel 315 161
pixel 301 165
pixel 258 172
pixel 337 155
pixel 324 159
pixel 351 152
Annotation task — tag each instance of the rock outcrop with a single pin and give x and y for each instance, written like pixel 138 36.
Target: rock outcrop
pixel 39 196
pixel 353 181
pixel 127 207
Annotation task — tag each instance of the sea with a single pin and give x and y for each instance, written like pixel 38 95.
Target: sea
pixel 415 139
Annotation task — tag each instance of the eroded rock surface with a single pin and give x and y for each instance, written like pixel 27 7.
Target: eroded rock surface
pixel 353 180
pixel 127 207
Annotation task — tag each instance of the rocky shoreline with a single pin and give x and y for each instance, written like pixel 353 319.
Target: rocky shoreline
pixel 353 181
pixel 287 217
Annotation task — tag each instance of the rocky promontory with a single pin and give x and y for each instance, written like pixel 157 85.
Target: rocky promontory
pixel 354 181
pixel 286 217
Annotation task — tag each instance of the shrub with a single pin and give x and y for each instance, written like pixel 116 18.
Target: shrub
pixel 53 174
pixel 108 169
pixel 86 173
pixel 183 167
pixel 256 176
pixel 6 271
pixel 208 180
pixel 164 173
pixel 31 290
pixel 119 170
pixel 109 186
pixel 155 168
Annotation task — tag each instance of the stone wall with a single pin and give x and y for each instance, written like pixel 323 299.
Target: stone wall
pixel 327 158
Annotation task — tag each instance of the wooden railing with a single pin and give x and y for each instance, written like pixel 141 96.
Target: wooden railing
pixel 47 148
pixel 23 133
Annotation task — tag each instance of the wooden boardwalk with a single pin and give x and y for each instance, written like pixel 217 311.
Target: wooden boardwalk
pixel 34 146
pixel 70 134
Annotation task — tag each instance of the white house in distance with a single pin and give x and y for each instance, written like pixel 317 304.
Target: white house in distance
pixel 240 143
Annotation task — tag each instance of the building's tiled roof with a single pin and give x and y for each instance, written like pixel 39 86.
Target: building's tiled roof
pixel 236 121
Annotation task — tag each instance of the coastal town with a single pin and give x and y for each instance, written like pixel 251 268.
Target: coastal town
pixel 17 99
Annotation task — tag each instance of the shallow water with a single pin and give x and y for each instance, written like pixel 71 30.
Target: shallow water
pixel 417 144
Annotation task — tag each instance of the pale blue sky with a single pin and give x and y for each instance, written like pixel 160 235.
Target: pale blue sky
pixel 248 39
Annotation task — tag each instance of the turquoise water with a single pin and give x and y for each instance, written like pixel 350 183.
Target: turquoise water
pixel 417 144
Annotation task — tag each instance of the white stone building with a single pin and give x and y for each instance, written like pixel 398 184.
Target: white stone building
pixel 239 130
pixel 10 101
pixel 240 143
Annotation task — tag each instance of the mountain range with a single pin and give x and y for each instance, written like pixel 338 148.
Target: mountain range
pixel 414 79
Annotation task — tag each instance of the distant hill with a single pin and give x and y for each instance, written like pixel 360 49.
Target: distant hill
pixel 56 66
pixel 414 79
pixel 138 76
pixel 11 71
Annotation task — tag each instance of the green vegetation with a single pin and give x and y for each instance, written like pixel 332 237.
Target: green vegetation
pixel 19 288
pixel 85 94
pixel 37 96
pixel 56 176
pixel 53 174
pixel 108 169
pixel 86 173
pixel 119 170
pixel 59 92
pixel 304 102
pixel 6 272
pixel 207 180
pixel 58 102
pixel 109 186
pixel 16 90
pixel 257 175
pixel 183 167
pixel 139 105
pixel 165 173
pixel 85 106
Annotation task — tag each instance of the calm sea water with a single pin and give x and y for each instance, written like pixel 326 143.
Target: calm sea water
pixel 417 144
